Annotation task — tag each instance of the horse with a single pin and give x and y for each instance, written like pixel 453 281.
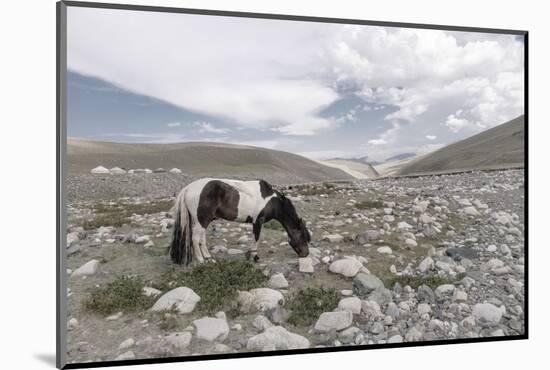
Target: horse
pixel 255 202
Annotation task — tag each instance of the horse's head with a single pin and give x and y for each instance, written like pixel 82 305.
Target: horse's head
pixel 298 234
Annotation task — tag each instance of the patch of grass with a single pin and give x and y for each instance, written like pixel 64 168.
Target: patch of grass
pixel 366 204
pixel 107 214
pixel 125 294
pixel 274 225
pixel 216 283
pixel 307 304
pixel 433 281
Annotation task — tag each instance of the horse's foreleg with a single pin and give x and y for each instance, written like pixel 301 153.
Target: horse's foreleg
pixel 253 252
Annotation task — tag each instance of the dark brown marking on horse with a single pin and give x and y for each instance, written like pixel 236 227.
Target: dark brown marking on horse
pixel 265 189
pixel 248 219
pixel 217 200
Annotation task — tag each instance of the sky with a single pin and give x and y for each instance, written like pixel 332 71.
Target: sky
pixel 316 89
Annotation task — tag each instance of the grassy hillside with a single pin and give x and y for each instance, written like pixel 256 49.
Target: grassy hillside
pixel 200 159
pixel 499 147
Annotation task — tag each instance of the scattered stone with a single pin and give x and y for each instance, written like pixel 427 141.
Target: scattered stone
pixel 87 269
pixel 128 343
pixel 426 265
pixel 210 329
pixel 183 299
pixel 349 267
pixel 337 320
pixel 126 356
pixel 384 250
pixel 260 299
pixel 444 290
pixel 276 338
pixel 179 340
pixel 333 238
pixel 151 292
pixel 261 323
pixel 395 339
pixel 278 281
pixel 367 236
pixel 305 265
pixel 487 313
pixel 363 284
pixel 100 170
pixel 352 304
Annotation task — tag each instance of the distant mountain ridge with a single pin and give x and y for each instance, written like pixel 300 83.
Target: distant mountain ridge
pixel 200 159
pixel 497 148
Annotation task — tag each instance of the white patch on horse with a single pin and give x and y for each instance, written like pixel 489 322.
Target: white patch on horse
pixel 251 202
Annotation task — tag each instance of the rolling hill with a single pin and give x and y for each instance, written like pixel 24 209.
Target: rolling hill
pixel 200 159
pixel 497 148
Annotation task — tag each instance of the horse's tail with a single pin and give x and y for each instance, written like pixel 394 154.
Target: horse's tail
pixel 181 249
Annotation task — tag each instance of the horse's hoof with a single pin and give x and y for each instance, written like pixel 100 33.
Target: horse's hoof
pixel 256 258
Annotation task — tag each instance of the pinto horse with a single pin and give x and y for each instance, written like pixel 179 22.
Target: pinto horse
pixel 256 202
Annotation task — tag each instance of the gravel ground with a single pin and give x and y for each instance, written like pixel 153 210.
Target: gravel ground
pixel 413 259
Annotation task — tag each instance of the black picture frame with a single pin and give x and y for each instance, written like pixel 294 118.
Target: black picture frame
pixel 61 99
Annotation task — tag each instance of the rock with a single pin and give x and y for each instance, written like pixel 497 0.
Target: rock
pixel 352 304
pixel 114 317
pixel 388 218
pixel 126 356
pixel 392 310
pixel 411 243
pixel 128 343
pixel 395 339
pixel 175 170
pixel 349 334
pixel 426 265
pixel 278 315
pixel 349 267
pixel 72 238
pixel 276 338
pixel 183 299
pixel 305 265
pixel 179 340
pixel 423 308
pixel 492 248
pixel 460 296
pixel 333 238
pixel 337 320
pixel 72 324
pixel 363 284
pixel 210 328
pixel 413 335
pixel 151 292
pixel 472 211
pixel 403 226
pixel 100 170
pixel 371 309
pixel 460 253
pixel 380 296
pixel 260 299
pixel 261 323
pixel 487 313
pixel 425 219
pixel 143 239
pixel 384 250
pixel 444 291
pixel 278 281
pixel 367 236
pixel 233 251
pixel 219 249
pixel 117 171
pixel 87 269
pixel 221 348
pixel 425 294
pixel 377 328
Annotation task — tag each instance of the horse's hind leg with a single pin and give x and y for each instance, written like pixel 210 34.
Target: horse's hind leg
pixel 197 239
pixel 204 248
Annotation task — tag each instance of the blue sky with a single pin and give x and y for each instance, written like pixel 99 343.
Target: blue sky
pixel 319 90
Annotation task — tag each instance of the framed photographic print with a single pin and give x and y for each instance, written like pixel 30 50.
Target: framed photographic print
pixel 237 184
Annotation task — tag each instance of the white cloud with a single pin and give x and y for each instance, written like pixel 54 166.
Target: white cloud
pixel 377 142
pixel 174 124
pixel 208 127
pixel 430 74
pixel 252 73
pixel 431 137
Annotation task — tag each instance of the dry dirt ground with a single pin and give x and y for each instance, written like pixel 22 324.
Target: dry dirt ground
pixel 410 259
